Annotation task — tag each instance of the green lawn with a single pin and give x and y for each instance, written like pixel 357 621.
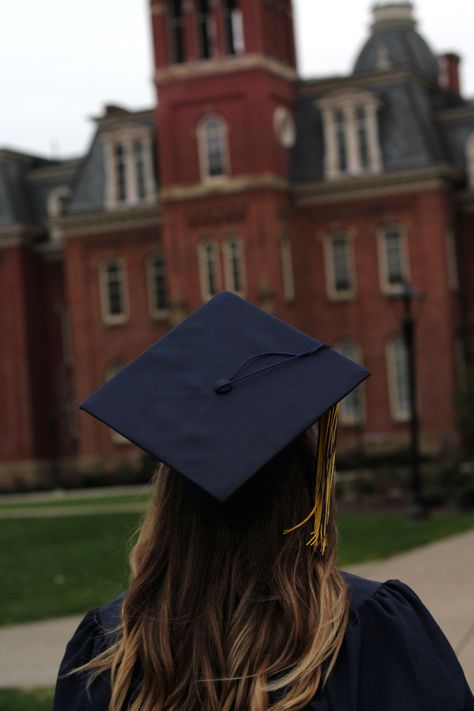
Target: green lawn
pixel 60 502
pixel 64 565
pixel 34 700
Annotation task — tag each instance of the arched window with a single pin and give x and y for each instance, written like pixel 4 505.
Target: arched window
pixel 362 137
pixel 157 286
pixel 120 167
pixel 176 27
pixel 213 148
pixel 286 266
pixel 113 292
pixel 470 160
pixel 234 264
pixel 209 268
pixel 352 406
pixel 140 169
pixel 398 379
pixel 111 371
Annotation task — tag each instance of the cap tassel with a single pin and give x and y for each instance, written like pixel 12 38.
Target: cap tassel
pixel 325 467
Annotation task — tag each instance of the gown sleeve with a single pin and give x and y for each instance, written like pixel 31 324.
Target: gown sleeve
pixel 72 692
pixel 396 658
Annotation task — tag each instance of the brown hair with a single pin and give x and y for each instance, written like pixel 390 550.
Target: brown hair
pixel 218 619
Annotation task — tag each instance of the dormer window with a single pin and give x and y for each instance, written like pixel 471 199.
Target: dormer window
pixel 351 138
pixel 128 167
pixel 213 148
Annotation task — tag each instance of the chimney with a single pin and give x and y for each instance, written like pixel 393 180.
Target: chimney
pixel 449 74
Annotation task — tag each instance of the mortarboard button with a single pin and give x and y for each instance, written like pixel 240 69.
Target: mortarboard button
pixel 223 386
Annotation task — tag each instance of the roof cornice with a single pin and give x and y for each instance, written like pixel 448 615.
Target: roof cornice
pixel 148 215
pixel 384 76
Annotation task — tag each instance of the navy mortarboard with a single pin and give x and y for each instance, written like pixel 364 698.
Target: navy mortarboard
pixel 224 392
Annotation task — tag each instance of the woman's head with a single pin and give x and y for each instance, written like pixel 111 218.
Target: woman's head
pixel 223 608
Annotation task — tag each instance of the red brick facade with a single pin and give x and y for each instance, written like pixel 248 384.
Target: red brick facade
pixel 58 347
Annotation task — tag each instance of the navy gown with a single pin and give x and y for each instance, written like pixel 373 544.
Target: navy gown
pixel 394 657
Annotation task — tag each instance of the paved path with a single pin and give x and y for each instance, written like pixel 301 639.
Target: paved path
pixel 441 573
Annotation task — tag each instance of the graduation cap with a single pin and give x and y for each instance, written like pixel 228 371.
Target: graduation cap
pixel 224 393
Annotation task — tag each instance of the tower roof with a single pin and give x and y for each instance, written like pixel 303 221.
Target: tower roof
pixel 395 43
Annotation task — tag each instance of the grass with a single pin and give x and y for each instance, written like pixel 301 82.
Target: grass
pixel 31 700
pixel 66 501
pixel 65 565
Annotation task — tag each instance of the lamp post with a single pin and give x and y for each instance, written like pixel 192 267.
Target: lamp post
pixel 407 295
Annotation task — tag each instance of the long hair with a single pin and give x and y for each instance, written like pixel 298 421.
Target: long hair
pixel 218 618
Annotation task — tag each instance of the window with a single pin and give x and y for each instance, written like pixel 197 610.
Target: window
pixel 352 406
pixel 157 286
pixel 286 266
pixel 58 201
pixel 341 140
pixel 339 268
pixel 206 30
pixel 233 27
pixel 111 371
pixel 113 292
pixel 398 379
pixel 128 167
pixel 470 160
pixel 234 265
pixel 351 135
pixel 209 269
pixel 120 173
pixel 212 139
pixel 393 260
pixel 176 25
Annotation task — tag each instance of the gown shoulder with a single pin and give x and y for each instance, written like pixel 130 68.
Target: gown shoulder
pixel 394 655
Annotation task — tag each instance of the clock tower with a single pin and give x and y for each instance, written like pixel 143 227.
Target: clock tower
pixel 225 73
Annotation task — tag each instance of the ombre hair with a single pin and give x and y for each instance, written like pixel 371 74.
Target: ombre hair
pixel 226 618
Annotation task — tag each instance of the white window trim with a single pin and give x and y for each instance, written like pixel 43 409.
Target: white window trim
pixel 470 160
pixel 397 414
pixel 203 274
pixel 385 286
pixel 286 267
pixel 109 319
pixel 227 254
pixel 202 149
pixel 333 293
pixel 155 313
pixel 358 358
pixel 115 437
pixel 126 137
pixel 347 102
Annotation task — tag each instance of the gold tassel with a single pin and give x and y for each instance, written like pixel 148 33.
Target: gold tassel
pixel 325 467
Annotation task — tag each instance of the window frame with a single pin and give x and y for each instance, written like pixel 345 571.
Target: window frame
pixel 109 319
pixel 127 138
pixel 204 163
pixel 386 287
pixel 203 268
pixel 398 414
pixel 111 370
pixel 228 267
pixel 287 267
pixel 156 313
pixel 333 293
pixel 357 356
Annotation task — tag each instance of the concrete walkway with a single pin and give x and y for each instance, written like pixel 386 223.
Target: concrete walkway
pixel 441 573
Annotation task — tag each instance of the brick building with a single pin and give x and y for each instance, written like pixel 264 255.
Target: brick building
pixel 315 199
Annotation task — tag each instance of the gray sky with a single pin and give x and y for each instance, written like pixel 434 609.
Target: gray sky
pixel 62 60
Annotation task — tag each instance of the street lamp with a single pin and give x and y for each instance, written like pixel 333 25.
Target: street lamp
pixel 408 295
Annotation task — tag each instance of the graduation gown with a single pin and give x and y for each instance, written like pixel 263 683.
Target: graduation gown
pixel 394 657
